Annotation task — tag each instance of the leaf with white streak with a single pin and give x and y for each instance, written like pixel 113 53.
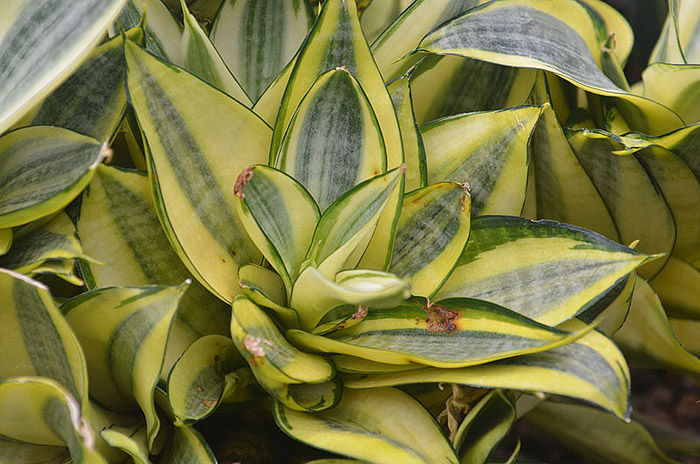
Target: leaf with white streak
pixel 44 43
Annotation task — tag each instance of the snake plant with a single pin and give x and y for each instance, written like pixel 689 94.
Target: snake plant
pixel 392 227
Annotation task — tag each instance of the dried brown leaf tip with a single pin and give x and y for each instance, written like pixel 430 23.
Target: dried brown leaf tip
pixel 360 313
pixel 440 319
pixel 243 178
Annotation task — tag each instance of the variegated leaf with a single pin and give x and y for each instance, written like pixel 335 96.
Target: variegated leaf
pixel 162 31
pixel 45 41
pixel 257 38
pixel 42 169
pixel 199 140
pixel 545 270
pixel 678 286
pixel 385 427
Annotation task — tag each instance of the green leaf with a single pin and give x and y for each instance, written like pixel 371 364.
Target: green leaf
pixel 431 236
pixel 202 59
pixel 269 102
pixel 336 41
pixel 41 411
pixel 448 85
pixel 279 215
pixel 187 447
pixel 678 286
pixel 44 43
pixel 406 31
pixel 131 440
pixel 208 373
pixel 56 240
pixel 676 86
pixel 179 114
pixel 597 435
pixel 257 38
pixel 5 240
pixel 42 169
pixel 591 369
pixel 487 150
pixel 12 451
pixel 629 192
pixel 686 331
pixel 315 295
pixel 387 426
pixel 268 353
pixel 118 227
pixel 346 227
pixel 528 33
pixel 162 31
pixel 457 332
pixel 36 340
pixel 485 425
pixel 376 16
pixel 92 101
pixel 647 338
pixel 544 270
pixel 565 193
pixel 330 151
pixel 124 333
pixel 347 364
pixel 413 149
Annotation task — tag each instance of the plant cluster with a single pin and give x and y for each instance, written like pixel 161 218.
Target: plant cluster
pixel 393 227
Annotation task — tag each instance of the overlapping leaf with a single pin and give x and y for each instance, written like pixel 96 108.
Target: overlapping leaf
pixel 544 270
pixel 199 140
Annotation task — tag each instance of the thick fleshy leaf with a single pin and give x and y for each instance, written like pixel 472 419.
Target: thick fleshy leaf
pixel 413 149
pixel 124 333
pixel 5 240
pixel 406 31
pixel 330 151
pixel 448 85
pixel 269 102
pixel 19 451
pixel 257 38
pixel 92 101
pixel 489 151
pixel 56 240
pixel 347 364
pixel 485 425
pixel 681 190
pixel 119 228
pixel 42 169
pixel 268 353
pixel 387 426
pixel 678 42
pixel 565 193
pixel 544 270
pixel 315 295
pixel 187 447
pixel 279 215
pixel 41 411
pixel 591 369
pixel 377 16
pixel 647 337
pixel 678 286
pixel 191 143
pixel 202 59
pixel 36 340
pixel 346 227
pixel 162 31
pixel 615 25
pixel 209 372
pixel 629 193
pixel 336 41
pixel 266 288
pixel 687 332
pixel 676 86
pixel 529 33
pixel 431 236
pixel 597 435
pixel 457 332
pixel 44 43
pixel 131 440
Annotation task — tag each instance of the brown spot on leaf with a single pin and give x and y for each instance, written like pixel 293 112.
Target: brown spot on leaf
pixel 440 319
pixel 360 313
pixel 199 389
pixel 208 403
pixel 243 178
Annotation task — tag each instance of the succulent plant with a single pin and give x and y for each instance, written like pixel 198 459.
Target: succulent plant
pixel 392 227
